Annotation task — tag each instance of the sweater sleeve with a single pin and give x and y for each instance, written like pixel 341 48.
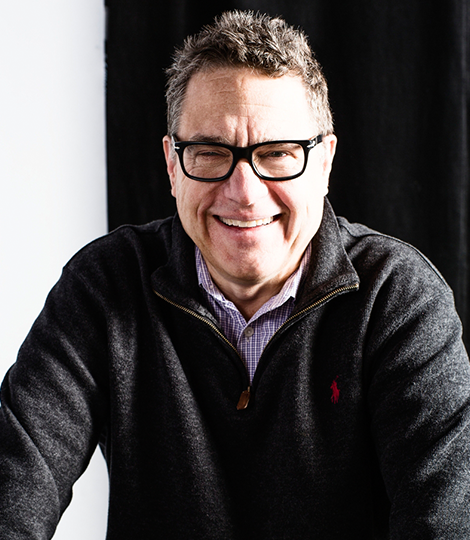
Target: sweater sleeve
pixel 52 411
pixel 419 399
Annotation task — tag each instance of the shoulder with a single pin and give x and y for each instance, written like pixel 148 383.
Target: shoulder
pixel 385 257
pixel 399 285
pixel 124 254
pixel 407 305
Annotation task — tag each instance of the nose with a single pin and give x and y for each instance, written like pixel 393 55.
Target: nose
pixel 243 186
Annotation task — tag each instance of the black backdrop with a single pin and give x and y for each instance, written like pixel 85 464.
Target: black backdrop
pixel 398 74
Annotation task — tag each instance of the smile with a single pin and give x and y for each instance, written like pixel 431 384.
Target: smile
pixel 246 224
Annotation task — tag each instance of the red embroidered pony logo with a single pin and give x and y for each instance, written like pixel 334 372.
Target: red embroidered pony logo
pixel 334 391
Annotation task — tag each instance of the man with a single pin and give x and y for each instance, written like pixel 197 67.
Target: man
pixel 254 367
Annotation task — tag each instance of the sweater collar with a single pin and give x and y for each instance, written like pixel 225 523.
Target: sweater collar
pixel 330 268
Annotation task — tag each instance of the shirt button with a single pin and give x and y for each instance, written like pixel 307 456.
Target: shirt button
pixel 248 332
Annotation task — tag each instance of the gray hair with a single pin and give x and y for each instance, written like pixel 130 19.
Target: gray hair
pixel 255 41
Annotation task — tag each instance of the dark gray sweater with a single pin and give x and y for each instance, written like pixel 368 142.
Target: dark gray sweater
pixel 357 423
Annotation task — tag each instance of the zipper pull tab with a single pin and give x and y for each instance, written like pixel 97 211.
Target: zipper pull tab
pixel 244 400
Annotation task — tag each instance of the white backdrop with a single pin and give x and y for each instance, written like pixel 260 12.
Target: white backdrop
pixel 52 180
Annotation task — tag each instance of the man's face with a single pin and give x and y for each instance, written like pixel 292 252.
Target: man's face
pixel 251 232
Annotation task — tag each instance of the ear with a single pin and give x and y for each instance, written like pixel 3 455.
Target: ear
pixel 329 143
pixel 171 162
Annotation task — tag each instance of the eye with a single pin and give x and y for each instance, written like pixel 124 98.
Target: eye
pixel 275 154
pixel 279 152
pixel 202 152
pixel 209 153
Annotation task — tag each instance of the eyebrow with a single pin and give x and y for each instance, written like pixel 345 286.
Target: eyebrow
pixel 199 137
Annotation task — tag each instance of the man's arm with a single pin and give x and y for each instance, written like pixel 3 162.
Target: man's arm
pixel 52 411
pixel 419 400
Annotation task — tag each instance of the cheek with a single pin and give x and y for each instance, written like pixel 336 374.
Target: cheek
pixel 304 202
pixel 192 198
pixel 181 192
pixel 292 196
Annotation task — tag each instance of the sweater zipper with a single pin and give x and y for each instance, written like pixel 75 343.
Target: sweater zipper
pixel 339 290
pixel 199 318
pixel 244 399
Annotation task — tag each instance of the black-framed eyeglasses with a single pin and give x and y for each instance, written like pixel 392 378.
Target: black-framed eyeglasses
pixel 272 160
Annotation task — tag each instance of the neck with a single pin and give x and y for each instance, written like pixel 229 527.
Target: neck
pixel 249 299
pixel 249 295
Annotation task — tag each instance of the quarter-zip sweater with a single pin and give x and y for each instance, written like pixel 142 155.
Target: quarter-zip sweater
pixel 356 423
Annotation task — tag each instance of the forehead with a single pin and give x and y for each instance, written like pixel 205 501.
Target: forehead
pixel 237 103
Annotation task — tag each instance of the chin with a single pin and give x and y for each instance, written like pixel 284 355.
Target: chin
pixel 255 274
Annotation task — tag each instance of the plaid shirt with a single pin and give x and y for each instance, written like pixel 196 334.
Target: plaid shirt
pixel 251 337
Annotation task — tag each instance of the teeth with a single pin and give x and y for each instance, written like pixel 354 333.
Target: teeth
pixel 247 224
